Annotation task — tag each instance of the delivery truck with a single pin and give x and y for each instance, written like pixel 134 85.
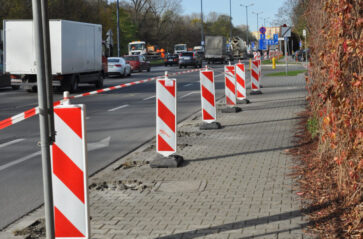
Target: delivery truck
pixel 76 54
pixel 215 49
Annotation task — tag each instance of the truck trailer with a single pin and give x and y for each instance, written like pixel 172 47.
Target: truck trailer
pixel 215 49
pixel 76 53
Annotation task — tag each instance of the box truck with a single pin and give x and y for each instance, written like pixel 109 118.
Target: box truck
pixel 215 49
pixel 76 53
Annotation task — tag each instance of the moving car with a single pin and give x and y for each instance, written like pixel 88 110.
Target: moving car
pixel 138 63
pixel 118 66
pixel 171 59
pixel 190 58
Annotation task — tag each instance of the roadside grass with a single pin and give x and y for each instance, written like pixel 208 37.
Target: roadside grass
pixel 157 62
pixel 289 73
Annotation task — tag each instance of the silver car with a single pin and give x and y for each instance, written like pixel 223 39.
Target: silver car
pixel 118 66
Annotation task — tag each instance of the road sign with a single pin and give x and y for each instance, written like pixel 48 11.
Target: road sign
pixel 253 45
pixel 262 44
pixel 109 39
pixel 276 39
pixel 262 30
pixel 300 44
pixel 285 31
pixel 304 33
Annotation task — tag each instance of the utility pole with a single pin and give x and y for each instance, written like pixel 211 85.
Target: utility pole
pixel 45 139
pixel 201 22
pixel 249 5
pixel 118 29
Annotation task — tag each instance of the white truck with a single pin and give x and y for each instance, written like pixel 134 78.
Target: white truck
pixel 179 48
pixel 137 48
pixel 76 54
pixel 215 49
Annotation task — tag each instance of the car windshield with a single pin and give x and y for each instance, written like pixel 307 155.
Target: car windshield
pixel 187 54
pixel 113 60
pixel 180 47
pixel 131 58
pixel 137 46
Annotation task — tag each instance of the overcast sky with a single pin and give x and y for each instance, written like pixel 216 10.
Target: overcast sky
pixel 268 7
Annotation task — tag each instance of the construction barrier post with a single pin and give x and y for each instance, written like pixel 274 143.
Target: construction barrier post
pixel 241 84
pixel 208 99
pixel 166 124
pixel 69 172
pixel 273 63
pixel 230 90
pixel 260 73
pixel 255 79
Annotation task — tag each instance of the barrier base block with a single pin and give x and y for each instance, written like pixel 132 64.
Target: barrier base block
pixel 261 86
pixel 244 101
pixel 208 126
pixel 256 92
pixel 231 110
pixel 172 161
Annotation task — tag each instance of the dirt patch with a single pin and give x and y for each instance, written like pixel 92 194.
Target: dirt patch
pixel 35 231
pixel 122 185
pixel 189 134
pixel 131 164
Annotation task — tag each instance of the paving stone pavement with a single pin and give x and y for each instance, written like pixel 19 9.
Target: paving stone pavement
pixel 234 183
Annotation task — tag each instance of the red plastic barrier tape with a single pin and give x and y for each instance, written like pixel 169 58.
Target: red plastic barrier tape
pixel 34 111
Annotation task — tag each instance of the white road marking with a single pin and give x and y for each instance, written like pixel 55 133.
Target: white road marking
pixel 148 98
pixel 11 142
pixel 187 85
pixel 188 94
pixel 117 108
pixel 8 165
pixel 103 143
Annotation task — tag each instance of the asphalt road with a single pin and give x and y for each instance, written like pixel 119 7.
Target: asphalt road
pixel 117 122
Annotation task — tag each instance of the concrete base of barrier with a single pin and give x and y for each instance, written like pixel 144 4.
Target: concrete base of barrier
pixel 231 110
pixel 244 101
pixel 261 86
pixel 208 126
pixel 257 92
pixel 173 161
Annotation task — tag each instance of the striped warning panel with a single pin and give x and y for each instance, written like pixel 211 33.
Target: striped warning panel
pixel 241 81
pixel 69 173
pixel 207 89
pixel 230 85
pixel 166 116
pixel 255 75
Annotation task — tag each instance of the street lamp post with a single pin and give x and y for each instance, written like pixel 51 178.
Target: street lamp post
pixel 118 29
pixel 201 20
pixel 257 13
pixel 230 20
pixel 249 5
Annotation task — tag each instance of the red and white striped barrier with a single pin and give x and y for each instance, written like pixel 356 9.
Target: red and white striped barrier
pixel 255 78
pixel 34 111
pixel 207 89
pixel 241 81
pixel 69 173
pixel 265 55
pixel 166 116
pixel 230 84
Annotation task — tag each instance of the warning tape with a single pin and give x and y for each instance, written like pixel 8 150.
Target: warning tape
pixel 34 111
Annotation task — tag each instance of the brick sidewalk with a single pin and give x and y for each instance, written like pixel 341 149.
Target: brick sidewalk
pixel 234 183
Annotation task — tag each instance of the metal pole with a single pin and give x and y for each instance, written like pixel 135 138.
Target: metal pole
pixel 306 54
pixel 247 22
pixel 201 20
pixel 48 68
pixel 43 120
pixel 286 54
pixel 230 19
pixel 118 29
pixel 257 21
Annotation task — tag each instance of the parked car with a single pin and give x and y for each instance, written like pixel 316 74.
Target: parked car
pixel 118 66
pixel 138 63
pixel 190 58
pixel 171 59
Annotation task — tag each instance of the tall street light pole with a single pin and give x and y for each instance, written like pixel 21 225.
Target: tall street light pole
pixel 230 19
pixel 201 22
pixel 257 13
pixel 249 5
pixel 118 29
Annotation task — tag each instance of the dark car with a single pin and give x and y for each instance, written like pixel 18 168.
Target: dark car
pixel 190 58
pixel 138 63
pixel 171 59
